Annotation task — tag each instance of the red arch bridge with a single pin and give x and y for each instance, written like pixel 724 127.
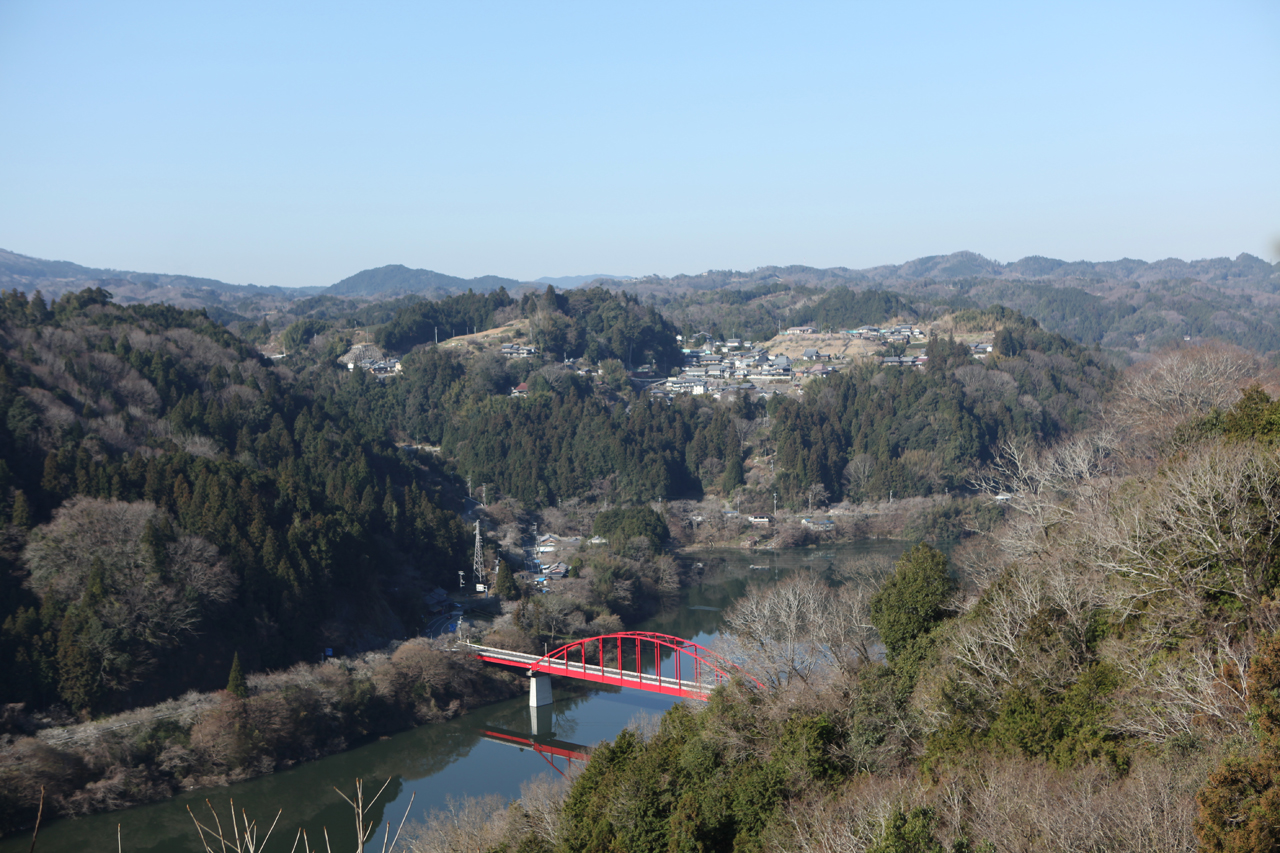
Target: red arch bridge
pixel 692 672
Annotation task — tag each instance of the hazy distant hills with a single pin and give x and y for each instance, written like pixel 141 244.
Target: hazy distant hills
pixel 565 282
pixel 1125 304
pixel 53 278
pixel 1244 271
pixel 398 280
pixel 1244 268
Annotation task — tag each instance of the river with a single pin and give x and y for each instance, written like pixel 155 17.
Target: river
pixel 467 756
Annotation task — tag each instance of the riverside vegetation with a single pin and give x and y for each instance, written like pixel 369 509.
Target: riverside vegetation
pixel 177 503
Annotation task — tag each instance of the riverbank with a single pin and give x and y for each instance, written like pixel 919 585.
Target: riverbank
pixel 212 739
pixel 310 711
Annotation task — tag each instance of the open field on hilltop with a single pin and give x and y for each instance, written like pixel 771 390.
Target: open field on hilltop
pixel 838 346
pixel 517 330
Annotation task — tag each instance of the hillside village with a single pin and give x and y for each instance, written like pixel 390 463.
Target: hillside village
pixel 798 354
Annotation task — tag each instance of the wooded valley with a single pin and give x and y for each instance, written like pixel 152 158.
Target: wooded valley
pixel 1077 655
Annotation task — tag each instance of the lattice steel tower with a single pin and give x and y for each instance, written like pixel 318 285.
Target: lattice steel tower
pixel 478 563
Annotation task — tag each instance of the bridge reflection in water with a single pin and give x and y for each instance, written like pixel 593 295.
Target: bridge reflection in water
pixel 542 742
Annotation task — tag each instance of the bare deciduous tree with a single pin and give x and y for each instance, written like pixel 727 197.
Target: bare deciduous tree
pixel 857 473
pixel 1168 698
pixel 470 823
pixel 1176 385
pixel 145 594
pixel 541 799
pixel 801 631
pixel 1207 527
pixel 1048 488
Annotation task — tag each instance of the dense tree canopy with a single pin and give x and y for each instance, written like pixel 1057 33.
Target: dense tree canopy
pixel 165 419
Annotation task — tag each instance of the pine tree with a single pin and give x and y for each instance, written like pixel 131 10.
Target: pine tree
pixel 21 511
pixel 732 477
pixel 236 685
pixel 51 482
pixel 505 586
pixel 910 602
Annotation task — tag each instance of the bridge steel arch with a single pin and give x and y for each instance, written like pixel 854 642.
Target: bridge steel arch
pixel 703 672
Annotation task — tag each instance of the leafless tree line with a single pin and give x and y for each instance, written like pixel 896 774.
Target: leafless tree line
pixel 1017 805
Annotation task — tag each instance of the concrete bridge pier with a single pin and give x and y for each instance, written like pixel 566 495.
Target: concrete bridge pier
pixel 540 720
pixel 539 690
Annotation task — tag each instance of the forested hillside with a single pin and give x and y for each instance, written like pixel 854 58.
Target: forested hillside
pixel 173 499
pixel 307 517
pixel 859 434
pixel 874 430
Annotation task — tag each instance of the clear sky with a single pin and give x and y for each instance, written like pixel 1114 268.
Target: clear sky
pixel 298 143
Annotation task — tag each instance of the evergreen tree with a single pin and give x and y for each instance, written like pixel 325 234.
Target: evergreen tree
pixel 911 601
pixel 236 685
pixel 732 477
pixel 21 511
pixel 505 586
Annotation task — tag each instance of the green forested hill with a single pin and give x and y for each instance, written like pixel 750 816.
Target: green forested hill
pixel 397 279
pixel 859 434
pixel 879 429
pixel 318 529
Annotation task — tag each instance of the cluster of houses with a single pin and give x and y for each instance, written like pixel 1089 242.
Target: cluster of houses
pixel 738 366
pixel 369 357
pixel 518 351
pixel 903 333
pixel 707 371
pixel 545 561
pixel 381 369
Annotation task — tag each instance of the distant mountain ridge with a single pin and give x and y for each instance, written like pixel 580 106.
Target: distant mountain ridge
pixel 397 280
pixel 53 278
pixel 1126 304
pixel 565 282
pixel 1244 270
pixel 1244 267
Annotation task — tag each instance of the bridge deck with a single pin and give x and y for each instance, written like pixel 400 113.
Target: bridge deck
pixel 653 683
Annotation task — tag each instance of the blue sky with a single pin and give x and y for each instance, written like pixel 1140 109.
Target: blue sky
pixel 296 144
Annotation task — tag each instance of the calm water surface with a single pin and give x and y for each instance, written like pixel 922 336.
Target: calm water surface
pixel 437 762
